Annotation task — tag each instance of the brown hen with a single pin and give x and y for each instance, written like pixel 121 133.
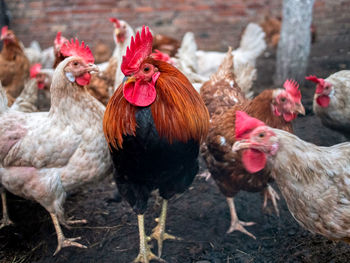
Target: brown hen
pixel 223 97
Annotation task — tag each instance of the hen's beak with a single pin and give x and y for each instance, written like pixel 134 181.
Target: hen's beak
pixel 127 80
pixel 239 145
pixel 299 108
pixel 92 68
pixel 116 31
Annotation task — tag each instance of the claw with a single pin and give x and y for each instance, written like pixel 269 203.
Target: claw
pixel 68 242
pixel 5 222
pixel 239 226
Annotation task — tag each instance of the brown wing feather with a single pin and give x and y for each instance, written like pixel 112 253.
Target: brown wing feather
pixel 222 92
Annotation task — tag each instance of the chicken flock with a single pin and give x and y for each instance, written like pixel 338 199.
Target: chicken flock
pixel 148 113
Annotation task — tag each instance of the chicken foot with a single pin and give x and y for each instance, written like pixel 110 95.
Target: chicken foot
pixel 236 224
pixel 61 239
pixel 145 254
pixel 270 193
pixel 158 233
pixel 5 216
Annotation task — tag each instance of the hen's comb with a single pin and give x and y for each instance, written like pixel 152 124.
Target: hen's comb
pixel 73 48
pixel 58 38
pixel 292 87
pixel 4 30
pixel 115 21
pixel 315 79
pixel 140 48
pixel 158 55
pixel 245 124
pixel 34 70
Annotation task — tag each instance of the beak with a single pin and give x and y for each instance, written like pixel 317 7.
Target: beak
pixel 127 80
pixel 2 37
pixel 117 31
pixel 92 68
pixel 239 145
pixel 300 109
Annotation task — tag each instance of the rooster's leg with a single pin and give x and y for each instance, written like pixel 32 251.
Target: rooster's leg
pixel 158 232
pixel 5 216
pixel 145 255
pixel 61 239
pixel 236 224
pixel 270 193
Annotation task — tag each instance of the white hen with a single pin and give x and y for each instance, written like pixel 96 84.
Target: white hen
pixel 44 155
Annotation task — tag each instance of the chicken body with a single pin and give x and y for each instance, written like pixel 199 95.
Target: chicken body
pixel 223 98
pixel 314 180
pixel 46 154
pixel 154 140
pixel 14 67
pixel 336 114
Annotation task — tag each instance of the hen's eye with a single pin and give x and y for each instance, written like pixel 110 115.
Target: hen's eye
pixel 75 63
pixel 146 69
pixel 261 135
pixel 283 99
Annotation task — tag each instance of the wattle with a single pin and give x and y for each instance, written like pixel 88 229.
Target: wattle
pixel 288 117
pixel 323 101
pixel 41 85
pixel 140 93
pixel 253 160
pixel 84 79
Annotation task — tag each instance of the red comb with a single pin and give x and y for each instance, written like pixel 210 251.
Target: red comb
pixel 73 48
pixel 4 30
pixel 292 87
pixel 158 55
pixel 140 48
pixel 34 70
pixel 315 79
pixel 245 124
pixel 115 21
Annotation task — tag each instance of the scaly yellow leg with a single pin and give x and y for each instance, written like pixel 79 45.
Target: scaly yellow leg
pixel 61 239
pixel 145 255
pixel 158 233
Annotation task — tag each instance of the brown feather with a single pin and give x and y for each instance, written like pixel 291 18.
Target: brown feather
pixel 178 111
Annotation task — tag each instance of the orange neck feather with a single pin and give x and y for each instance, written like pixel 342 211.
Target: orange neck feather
pixel 178 111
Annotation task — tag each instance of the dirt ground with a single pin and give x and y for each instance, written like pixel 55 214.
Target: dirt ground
pixel 200 216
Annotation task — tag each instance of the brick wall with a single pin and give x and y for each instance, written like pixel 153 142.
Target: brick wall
pixel 216 23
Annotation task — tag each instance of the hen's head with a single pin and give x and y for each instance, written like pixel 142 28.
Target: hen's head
pixel 256 139
pixel 58 42
pixel 287 102
pixel 7 35
pixel 323 91
pixel 79 62
pixel 140 74
pixel 121 30
pixel 35 73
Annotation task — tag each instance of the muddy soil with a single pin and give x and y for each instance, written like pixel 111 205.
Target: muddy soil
pixel 200 216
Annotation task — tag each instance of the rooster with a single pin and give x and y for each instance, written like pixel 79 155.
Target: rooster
pixel 154 124
pixel 223 97
pixel 331 101
pixel 14 65
pixel 314 180
pixel 44 155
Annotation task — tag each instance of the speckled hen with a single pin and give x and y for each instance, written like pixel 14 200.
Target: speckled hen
pixel 314 180
pixel 44 155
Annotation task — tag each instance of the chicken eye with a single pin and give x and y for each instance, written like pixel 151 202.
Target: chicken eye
pixel 261 135
pixel 75 63
pixel 146 69
pixel 283 99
